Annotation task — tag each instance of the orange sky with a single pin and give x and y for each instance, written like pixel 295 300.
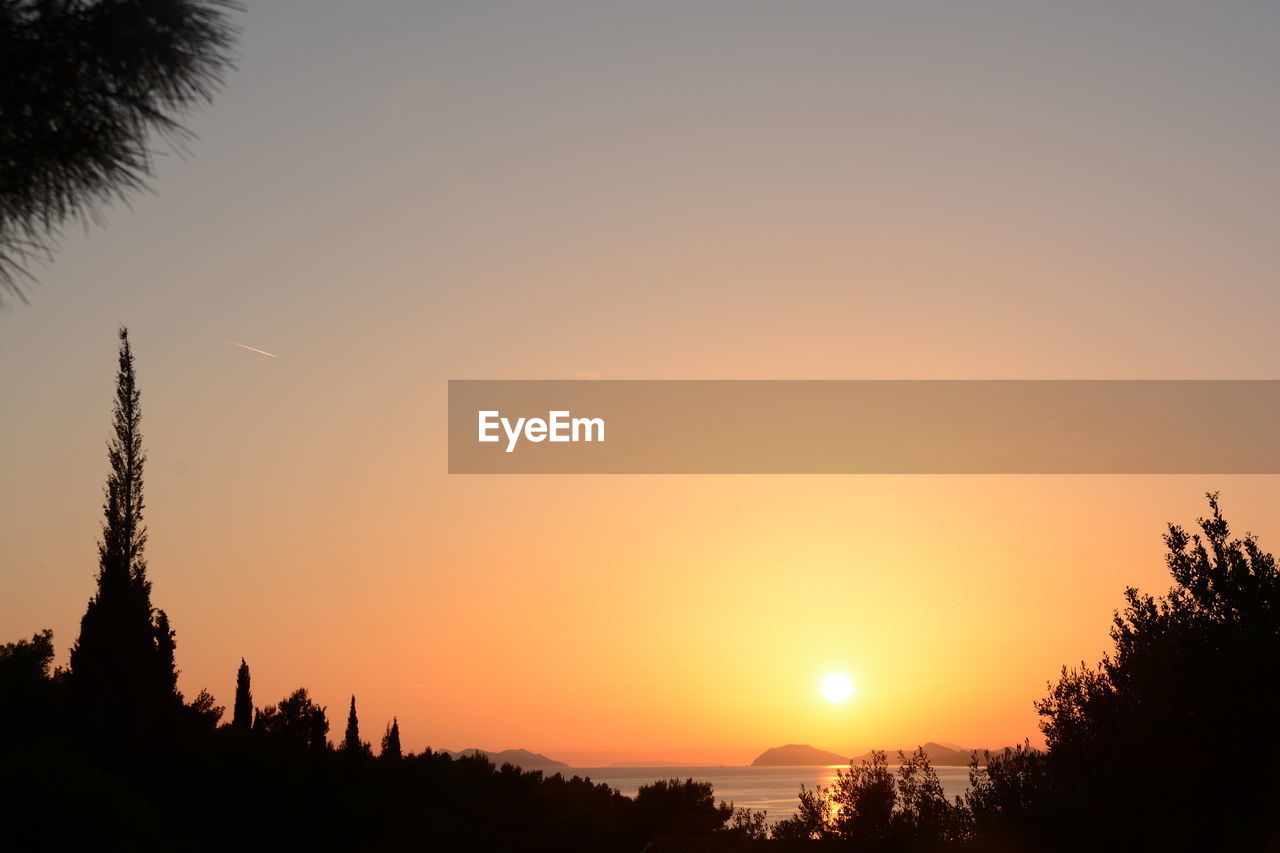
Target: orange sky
pixel 667 618
pixel 387 201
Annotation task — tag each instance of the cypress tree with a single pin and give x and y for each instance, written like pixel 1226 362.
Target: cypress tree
pixel 122 667
pixel 242 717
pixel 351 744
pixel 391 741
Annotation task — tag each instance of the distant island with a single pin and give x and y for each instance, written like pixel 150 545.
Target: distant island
pixel 939 755
pixel 797 755
pixel 803 755
pixel 519 757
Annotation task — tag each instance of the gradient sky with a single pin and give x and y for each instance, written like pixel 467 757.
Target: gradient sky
pixel 388 195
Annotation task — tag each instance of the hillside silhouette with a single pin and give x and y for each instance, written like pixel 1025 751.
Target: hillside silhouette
pixel 519 757
pixel 796 755
pixel 804 755
pixel 938 755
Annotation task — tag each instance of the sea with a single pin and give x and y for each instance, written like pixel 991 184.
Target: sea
pixel 773 789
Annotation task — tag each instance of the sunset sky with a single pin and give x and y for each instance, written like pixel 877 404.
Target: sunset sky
pixel 390 195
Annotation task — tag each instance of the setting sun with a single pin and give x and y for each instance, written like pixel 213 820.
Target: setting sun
pixel 837 687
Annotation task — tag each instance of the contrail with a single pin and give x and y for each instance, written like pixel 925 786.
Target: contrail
pixel 253 349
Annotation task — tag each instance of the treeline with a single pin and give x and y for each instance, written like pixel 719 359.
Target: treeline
pixel 1166 744
pixel 279 783
pixel 107 754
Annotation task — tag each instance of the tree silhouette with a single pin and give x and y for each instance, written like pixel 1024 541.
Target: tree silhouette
pixel 83 85
pixel 122 666
pixel 26 690
pixel 812 819
pixel 866 797
pixel 351 743
pixel 870 807
pixel 924 814
pixel 1007 800
pixel 242 715
pixel 391 741
pixel 206 709
pixel 1192 677
pixel 747 825
pixel 25 662
pixel 166 667
pixel 675 807
pixel 296 719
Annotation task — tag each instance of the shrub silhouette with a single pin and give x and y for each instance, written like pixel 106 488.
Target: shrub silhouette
pixel 872 807
pixel 1192 676
pixel 746 825
pixel 812 819
pixel 1009 797
pixel 866 797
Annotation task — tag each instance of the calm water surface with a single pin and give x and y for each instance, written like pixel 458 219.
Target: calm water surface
pixel 775 789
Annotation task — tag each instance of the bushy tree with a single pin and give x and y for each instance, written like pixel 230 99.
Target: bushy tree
pixel 811 821
pixel 25 662
pixel 1009 796
pixel 206 709
pixel 675 807
pixel 863 800
pixel 870 806
pixel 924 815
pixel 83 86
pixel 746 825
pixel 26 691
pixel 297 719
pixel 1191 678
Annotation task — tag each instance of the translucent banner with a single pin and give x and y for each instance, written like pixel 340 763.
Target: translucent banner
pixel 863 427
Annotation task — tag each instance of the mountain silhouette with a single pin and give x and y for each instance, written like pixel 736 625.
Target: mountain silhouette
pixel 803 755
pixel 939 755
pixel 519 757
pixel 796 755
